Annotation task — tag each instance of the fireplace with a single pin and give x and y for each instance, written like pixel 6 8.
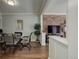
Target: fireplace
pixel 54 29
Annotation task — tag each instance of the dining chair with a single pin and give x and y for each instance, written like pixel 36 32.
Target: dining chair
pixel 26 41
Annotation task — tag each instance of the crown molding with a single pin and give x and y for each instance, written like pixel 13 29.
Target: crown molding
pixel 20 13
pixel 54 14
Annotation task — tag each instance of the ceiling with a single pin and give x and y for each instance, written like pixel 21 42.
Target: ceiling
pixel 22 6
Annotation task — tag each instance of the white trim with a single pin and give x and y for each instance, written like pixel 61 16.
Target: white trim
pixel 54 13
pixel 41 23
pixel 20 13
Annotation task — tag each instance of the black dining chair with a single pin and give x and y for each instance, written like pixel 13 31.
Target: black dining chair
pixel 26 41
pixel 17 38
pixel 13 40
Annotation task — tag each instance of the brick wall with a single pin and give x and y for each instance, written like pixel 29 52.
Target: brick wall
pixel 52 20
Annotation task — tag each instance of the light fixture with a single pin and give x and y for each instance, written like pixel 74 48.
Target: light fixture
pixel 11 2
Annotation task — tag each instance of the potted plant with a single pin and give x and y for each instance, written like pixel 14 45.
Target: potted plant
pixel 37 31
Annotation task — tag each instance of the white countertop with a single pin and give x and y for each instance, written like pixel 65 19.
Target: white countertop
pixel 59 39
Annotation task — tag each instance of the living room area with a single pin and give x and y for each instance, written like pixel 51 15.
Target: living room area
pixel 7 52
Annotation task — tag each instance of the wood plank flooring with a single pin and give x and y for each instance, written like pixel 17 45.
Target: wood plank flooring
pixel 36 52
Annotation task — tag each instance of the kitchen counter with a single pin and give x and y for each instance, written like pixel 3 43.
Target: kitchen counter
pixel 59 39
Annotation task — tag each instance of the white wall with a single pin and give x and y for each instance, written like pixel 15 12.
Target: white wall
pixel 29 20
pixel 55 7
pixel 0 20
pixel 72 24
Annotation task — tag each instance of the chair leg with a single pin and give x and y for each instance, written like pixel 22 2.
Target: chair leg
pixel 29 46
pixel 21 46
pixel 3 48
pixel 14 49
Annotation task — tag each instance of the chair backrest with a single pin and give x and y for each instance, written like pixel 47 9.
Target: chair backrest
pixel 27 39
pixel 18 34
pixel 8 38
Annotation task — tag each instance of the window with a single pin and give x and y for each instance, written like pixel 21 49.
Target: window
pixel 20 24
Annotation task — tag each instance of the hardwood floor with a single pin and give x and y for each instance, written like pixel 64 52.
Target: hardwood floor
pixel 36 52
